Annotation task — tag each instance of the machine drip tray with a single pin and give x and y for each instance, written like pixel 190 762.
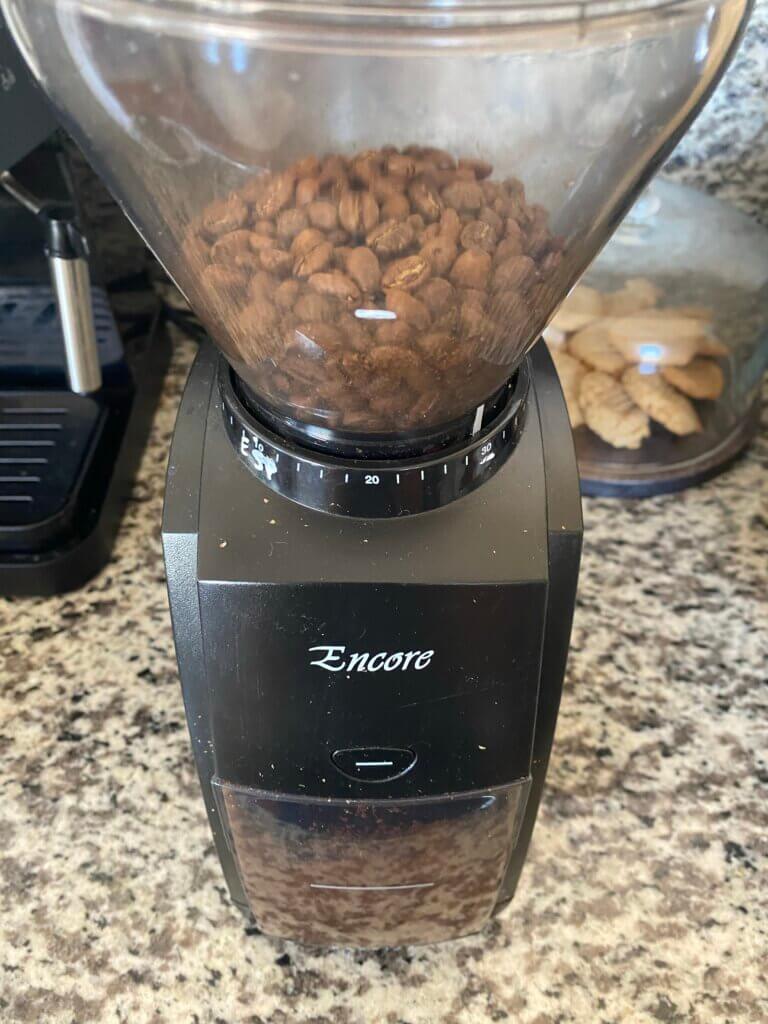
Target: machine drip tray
pixel 45 441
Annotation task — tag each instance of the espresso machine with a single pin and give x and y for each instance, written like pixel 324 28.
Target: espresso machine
pixel 77 383
pixel 372 525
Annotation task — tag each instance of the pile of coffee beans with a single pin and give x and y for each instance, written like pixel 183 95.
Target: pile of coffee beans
pixel 387 291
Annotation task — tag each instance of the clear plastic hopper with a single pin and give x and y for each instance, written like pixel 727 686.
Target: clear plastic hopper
pixel 374 209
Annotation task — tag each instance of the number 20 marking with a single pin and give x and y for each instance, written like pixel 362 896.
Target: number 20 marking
pixel 371 478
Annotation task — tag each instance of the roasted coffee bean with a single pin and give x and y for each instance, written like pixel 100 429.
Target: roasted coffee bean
pixel 306 167
pixel 514 273
pixel 322 213
pixel 437 295
pixel 393 332
pixel 435 345
pixel 509 248
pixel 313 261
pixel 222 217
pixel 365 167
pixel 473 296
pixel 336 284
pixel 450 224
pixel 306 241
pixel 408 308
pixel 338 237
pixel 471 269
pixel 396 207
pixel 276 193
pixel 479 235
pixel 264 227
pixel 480 168
pixel 362 265
pixel 441 253
pixel 258 317
pixel 358 212
pixel 418 224
pixel 258 242
pixel 390 238
pixel 313 306
pixel 332 169
pixel 262 286
pixel 223 279
pixel 463 196
pixel 407 273
pixel 307 190
pixel 229 245
pixel 384 187
pixel 290 223
pixel 489 216
pixel 429 232
pixel 425 200
pixel 286 294
pixel 276 261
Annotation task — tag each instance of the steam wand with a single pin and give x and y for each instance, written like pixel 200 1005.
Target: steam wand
pixel 67 253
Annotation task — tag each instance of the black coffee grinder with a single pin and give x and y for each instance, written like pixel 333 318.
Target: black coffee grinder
pixel 372 654
pixel 372 524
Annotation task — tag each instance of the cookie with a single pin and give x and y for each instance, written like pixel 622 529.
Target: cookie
pixel 659 340
pixel 709 345
pixel 580 307
pixel 637 294
pixel 656 397
pixel 592 345
pixel 701 378
pixel 570 371
pixel 553 337
pixel 610 412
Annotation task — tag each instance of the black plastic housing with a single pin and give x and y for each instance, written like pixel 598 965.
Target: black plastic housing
pixel 264 595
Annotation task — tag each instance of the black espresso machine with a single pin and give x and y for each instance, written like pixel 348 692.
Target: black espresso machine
pixel 372 525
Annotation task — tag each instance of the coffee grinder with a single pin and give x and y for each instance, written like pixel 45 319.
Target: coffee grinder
pixel 372 523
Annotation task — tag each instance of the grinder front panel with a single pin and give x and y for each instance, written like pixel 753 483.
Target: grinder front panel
pixel 372 754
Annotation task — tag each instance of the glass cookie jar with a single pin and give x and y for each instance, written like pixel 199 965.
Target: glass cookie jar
pixel 662 345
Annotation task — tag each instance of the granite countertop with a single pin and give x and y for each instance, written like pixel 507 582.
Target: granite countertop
pixel 644 898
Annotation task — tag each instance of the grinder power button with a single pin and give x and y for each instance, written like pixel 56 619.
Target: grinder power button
pixel 374 764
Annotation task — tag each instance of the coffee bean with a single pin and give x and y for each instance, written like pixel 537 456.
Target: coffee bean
pixel 396 207
pixel 390 238
pixel 479 235
pixel 225 216
pixel 276 261
pixel 437 295
pixel 480 168
pixel 471 269
pixel 425 200
pixel 464 196
pixel 358 212
pixel 441 253
pixel 407 273
pixel 286 294
pixel 363 267
pixel 335 284
pixel 322 213
pixel 222 279
pixel 313 306
pixel 408 308
pixel 314 260
pixel 290 223
pixel 307 190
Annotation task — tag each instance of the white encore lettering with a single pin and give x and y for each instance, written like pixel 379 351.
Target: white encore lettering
pixel 335 659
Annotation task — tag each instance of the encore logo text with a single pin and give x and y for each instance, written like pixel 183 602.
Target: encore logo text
pixel 335 659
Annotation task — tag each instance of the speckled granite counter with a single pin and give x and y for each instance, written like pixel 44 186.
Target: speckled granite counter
pixel 645 895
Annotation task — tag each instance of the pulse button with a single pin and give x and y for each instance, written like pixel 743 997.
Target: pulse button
pixel 374 764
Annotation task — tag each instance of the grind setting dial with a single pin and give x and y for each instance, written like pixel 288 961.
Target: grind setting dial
pixel 373 488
